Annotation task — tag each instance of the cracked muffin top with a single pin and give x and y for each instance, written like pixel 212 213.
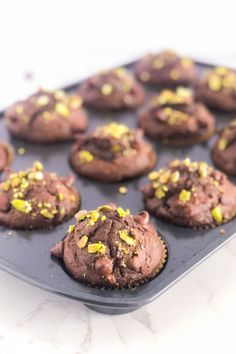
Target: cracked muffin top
pixel 190 194
pixel 111 90
pixel 166 69
pixel 217 89
pixel 111 153
pixel 173 116
pixel 34 199
pixel 109 247
pixel 46 117
pixel 224 150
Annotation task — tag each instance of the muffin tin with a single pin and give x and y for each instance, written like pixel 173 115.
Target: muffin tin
pixel 25 254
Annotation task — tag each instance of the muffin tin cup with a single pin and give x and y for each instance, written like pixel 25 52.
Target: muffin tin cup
pixel 26 255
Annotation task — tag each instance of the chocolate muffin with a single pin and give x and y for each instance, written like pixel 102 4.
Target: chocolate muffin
pixel 109 247
pixel 166 69
pixel 190 194
pixel 46 117
pixel 217 89
pixel 6 155
pixel 35 199
pixel 174 117
pixel 112 90
pixel 224 149
pixel 112 153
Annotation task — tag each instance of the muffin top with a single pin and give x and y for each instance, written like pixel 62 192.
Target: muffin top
pixel 220 79
pixel 110 247
pixel 109 141
pixel 190 194
pixel 224 150
pixel 112 152
pixel 35 198
pixel 165 67
pixel 47 116
pixel 112 89
pixel 171 114
pixel 6 155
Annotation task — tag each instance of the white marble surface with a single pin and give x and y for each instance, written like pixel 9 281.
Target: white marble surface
pixel 60 41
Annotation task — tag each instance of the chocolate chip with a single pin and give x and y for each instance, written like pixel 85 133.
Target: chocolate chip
pixel 142 218
pixel 57 250
pixel 104 266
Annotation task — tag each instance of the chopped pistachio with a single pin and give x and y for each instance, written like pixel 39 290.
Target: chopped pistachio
pixel 85 156
pixel 122 213
pixel 24 184
pixel 222 144
pixel 186 62
pixel 175 176
pixel 82 242
pixel 164 177
pixel 21 151
pixel 93 216
pixel 160 193
pixel 61 109
pixel 217 215
pixel 76 102
pixel 59 94
pixel 22 205
pixel 42 100
pixel 96 248
pixel 221 70
pixel 106 89
pixel 153 175
pixel 46 214
pixel 158 63
pixel 214 82
pixel 174 75
pixel 203 169
pixel 71 229
pixel 127 238
pixel 187 162
pixel 144 76
pixel 38 176
pixel 175 163
pixel 38 166
pixel 184 195
pixel 62 211
pixel 60 196
pixel 19 109
pixel 123 190
pixel 115 130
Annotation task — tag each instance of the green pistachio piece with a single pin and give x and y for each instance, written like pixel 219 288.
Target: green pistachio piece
pixel 21 205
pixel 96 248
pixel 82 242
pixel 217 215
pixel 127 238
pixel 184 195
